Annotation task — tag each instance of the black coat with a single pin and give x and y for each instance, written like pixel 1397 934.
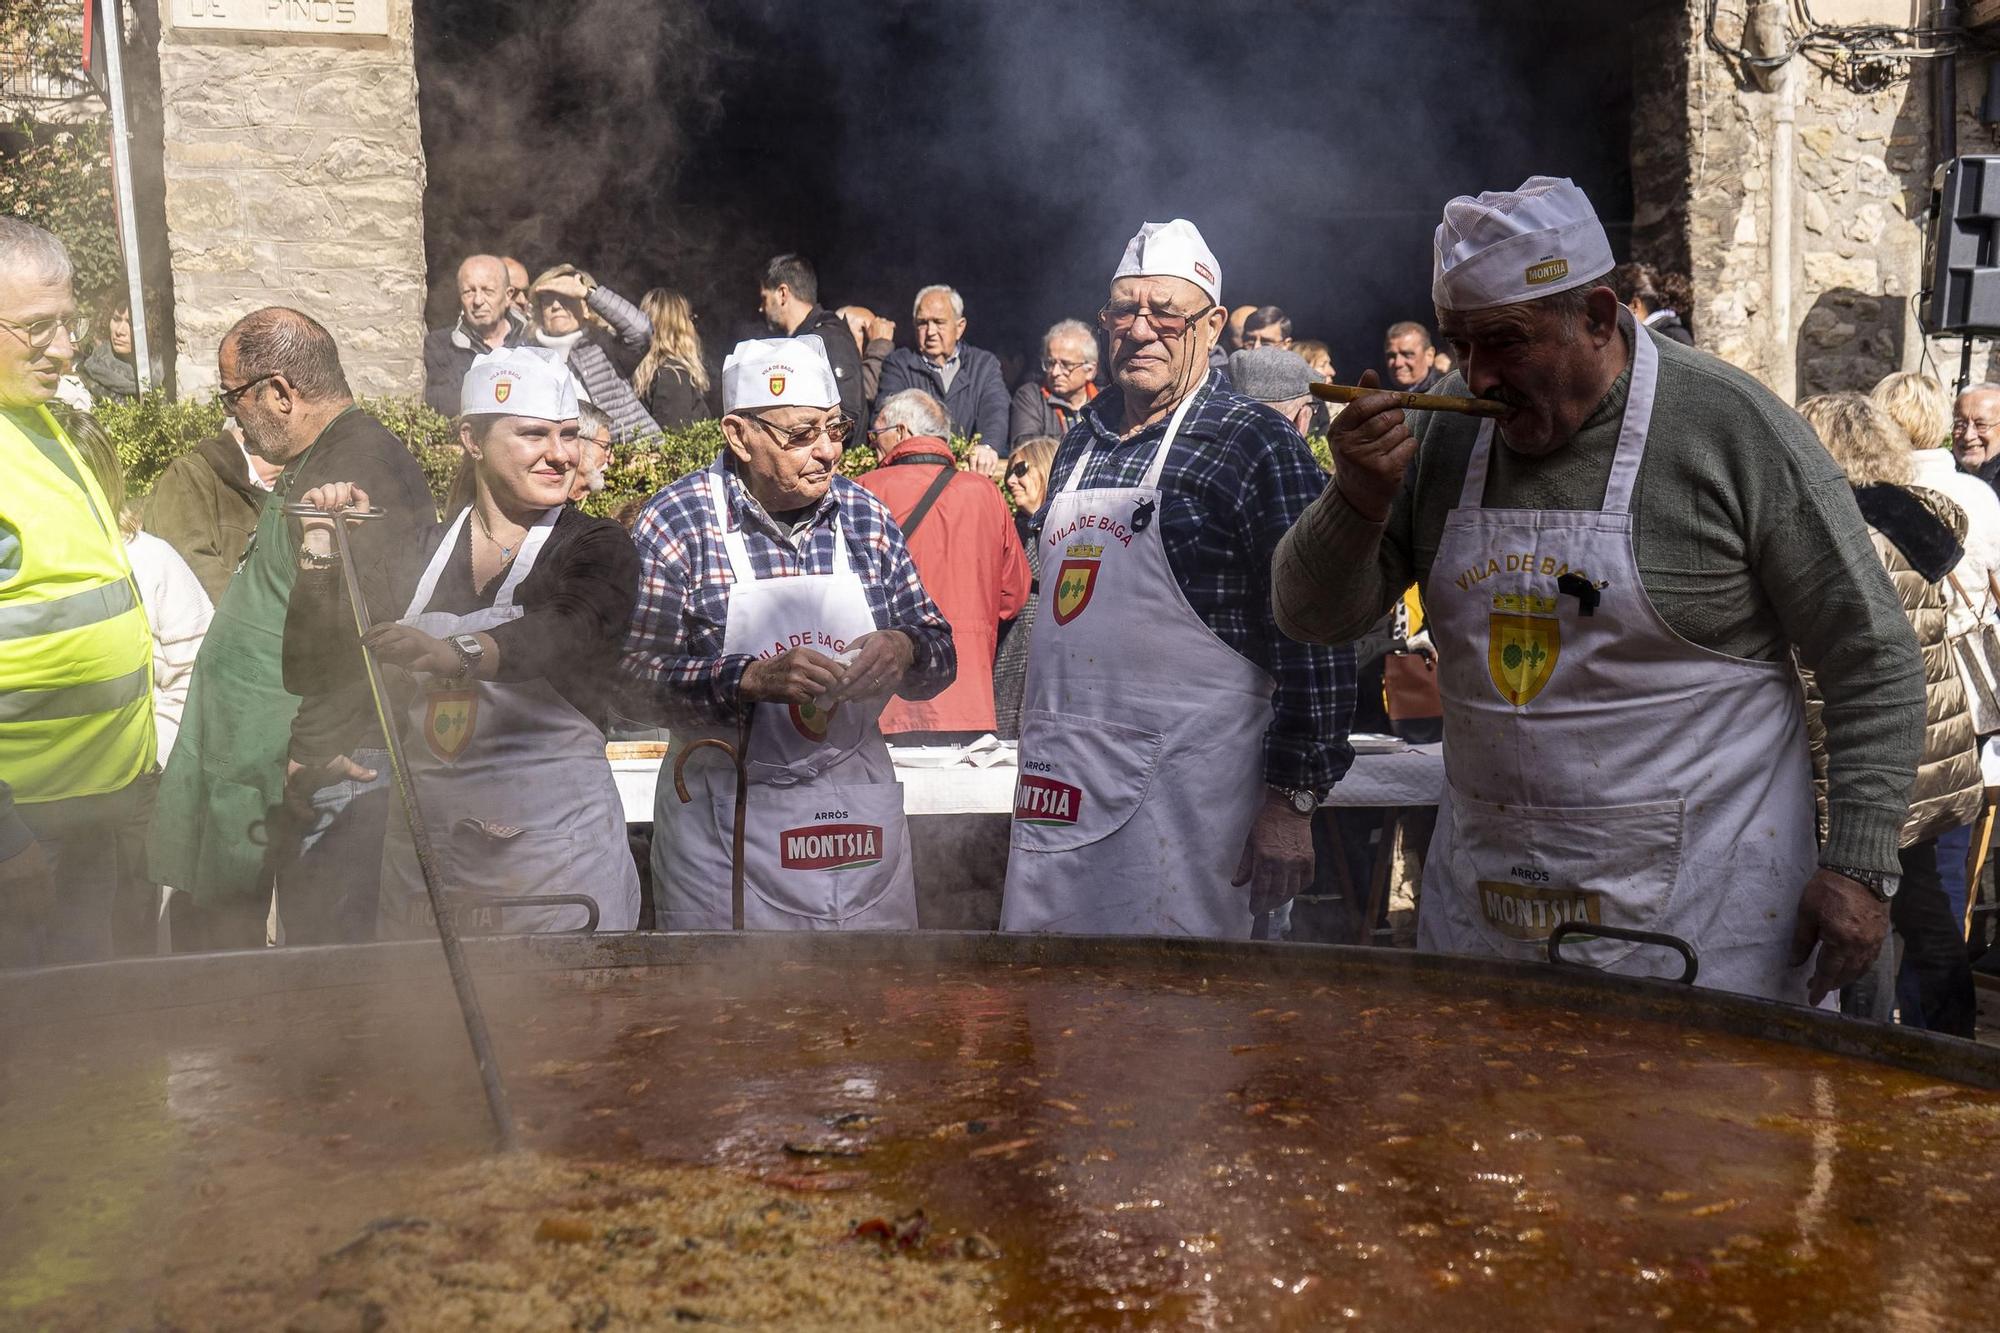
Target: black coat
pixel 845 358
pixel 673 400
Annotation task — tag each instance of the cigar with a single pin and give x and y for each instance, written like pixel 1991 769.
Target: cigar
pixel 1416 402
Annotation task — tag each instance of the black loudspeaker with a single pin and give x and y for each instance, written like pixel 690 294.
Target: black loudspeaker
pixel 1964 294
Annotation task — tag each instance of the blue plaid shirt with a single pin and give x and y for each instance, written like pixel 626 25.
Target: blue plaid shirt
pixel 1236 479
pixel 673 651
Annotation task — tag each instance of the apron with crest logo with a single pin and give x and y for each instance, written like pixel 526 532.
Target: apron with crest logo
pixel 512 782
pixel 1601 767
pixel 826 845
pixel 1142 734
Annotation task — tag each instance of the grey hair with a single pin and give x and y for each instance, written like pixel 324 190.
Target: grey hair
pixel 24 247
pixel 1072 328
pixel 593 421
pixel 957 301
pixel 1984 386
pixel 915 411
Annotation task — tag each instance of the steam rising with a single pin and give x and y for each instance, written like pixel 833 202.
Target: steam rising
pixel 1009 148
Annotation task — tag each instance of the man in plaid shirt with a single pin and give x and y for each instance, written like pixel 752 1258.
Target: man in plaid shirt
pixel 1175 743
pixel 673 651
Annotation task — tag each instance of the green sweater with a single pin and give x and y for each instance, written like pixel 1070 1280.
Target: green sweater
pixel 1748 543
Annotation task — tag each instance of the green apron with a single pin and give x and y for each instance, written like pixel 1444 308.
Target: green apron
pixel 221 799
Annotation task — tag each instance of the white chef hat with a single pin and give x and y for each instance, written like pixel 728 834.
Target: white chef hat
pixel 519 382
pixel 1508 246
pixel 779 372
pixel 1172 250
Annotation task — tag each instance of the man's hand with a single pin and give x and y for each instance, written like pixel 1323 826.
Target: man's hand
pixel 414 650
pixel 1372 446
pixel 1846 921
pixel 878 666
pixel 26 885
pixel 797 676
pixel 984 461
pixel 881 330
pixel 1277 859
pixel 317 536
pixel 301 782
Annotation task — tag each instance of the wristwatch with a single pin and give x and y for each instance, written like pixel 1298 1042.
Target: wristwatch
pixel 470 652
pixel 1302 800
pixel 1882 886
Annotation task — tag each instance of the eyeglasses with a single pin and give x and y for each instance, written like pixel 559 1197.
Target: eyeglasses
pixel 1055 363
pixel 880 431
pixel 836 428
pixel 1018 470
pixel 42 332
pixel 1166 325
pixel 233 398
pixel 1964 424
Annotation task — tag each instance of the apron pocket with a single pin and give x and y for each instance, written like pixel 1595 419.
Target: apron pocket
pixel 1082 778
pixel 494 860
pixel 1529 868
pixel 828 852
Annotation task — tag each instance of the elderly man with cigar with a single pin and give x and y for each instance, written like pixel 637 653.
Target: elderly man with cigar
pixel 1617 574
pixel 1174 744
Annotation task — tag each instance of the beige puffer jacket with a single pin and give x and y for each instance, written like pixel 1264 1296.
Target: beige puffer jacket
pixel 1949 787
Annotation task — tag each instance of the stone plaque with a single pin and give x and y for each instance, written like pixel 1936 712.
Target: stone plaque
pixel 312 18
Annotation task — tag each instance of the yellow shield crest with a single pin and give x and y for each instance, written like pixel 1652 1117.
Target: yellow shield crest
pixel 449 717
pixel 777 385
pixel 1523 640
pixel 811 721
pixel 501 388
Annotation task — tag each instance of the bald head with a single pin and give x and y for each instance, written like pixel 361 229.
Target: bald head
pixel 1232 332
pixel 1975 426
pixel 482 296
pixel 282 380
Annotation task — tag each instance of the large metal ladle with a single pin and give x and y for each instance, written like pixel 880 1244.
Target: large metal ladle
pixel 497 1104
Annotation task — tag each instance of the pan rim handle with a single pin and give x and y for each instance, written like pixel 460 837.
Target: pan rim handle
pixel 1690 963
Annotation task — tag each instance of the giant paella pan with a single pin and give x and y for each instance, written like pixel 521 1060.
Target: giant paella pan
pixel 925 1131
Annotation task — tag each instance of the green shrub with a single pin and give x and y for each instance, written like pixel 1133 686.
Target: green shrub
pixel 153 430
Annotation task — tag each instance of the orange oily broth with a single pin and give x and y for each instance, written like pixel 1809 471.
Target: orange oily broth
pixel 1146 1150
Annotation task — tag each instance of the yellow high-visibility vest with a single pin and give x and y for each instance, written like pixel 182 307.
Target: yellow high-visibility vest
pixel 76 653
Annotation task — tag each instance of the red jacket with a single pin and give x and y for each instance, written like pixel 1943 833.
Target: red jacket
pixel 973 567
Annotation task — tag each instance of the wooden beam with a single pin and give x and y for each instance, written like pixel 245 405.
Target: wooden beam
pixel 1982 13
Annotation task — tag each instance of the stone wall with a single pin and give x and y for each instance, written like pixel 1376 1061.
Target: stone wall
pixel 1860 185
pixel 294 176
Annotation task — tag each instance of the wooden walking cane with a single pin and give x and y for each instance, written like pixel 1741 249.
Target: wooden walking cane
pixel 738 754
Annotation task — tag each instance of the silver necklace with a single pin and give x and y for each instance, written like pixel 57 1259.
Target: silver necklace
pixel 506 552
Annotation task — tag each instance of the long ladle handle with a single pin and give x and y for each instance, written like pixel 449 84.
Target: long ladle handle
pixel 497 1104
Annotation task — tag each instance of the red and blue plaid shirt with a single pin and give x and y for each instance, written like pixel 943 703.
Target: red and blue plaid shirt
pixel 1236 479
pixel 673 650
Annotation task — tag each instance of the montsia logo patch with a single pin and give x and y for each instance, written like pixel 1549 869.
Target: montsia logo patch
pixel 830 846
pixel 1039 800
pixel 1549 270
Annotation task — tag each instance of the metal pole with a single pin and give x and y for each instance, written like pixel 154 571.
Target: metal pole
pixel 454 955
pixel 121 183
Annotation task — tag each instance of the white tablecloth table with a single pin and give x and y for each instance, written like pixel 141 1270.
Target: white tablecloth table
pixel 1409 777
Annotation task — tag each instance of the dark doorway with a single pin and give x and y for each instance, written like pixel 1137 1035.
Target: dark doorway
pixel 1009 147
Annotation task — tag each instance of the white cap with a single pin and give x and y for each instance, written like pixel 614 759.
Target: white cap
pixel 519 382
pixel 1172 250
pixel 779 372
pixel 1509 246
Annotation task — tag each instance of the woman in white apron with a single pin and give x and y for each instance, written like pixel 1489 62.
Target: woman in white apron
pixel 512 674
pixel 826 845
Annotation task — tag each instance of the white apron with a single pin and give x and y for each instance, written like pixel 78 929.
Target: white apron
pixel 1142 734
pixel 513 785
pixel 825 843
pixel 1600 766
